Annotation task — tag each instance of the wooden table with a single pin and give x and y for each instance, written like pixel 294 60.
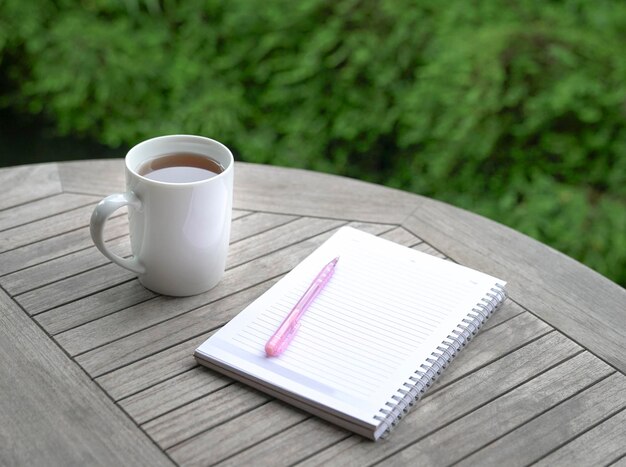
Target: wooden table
pixel 97 370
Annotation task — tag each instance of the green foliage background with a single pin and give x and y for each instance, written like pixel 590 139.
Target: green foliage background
pixel 515 110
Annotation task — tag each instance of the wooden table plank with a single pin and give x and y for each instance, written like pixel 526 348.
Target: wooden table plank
pixel 135 318
pixel 44 207
pixel 280 237
pixel 202 414
pixel 493 343
pixel 239 213
pixel 44 228
pixel 298 192
pixel 216 314
pixel 515 408
pixel 601 445
pixel 72 422
pixel 583 304
pixel 34 277
pixel 107 275
pixel 402 237
pixel 290 446
pixel 79 312
pixel 57 246
pixel 22 184
pixel 481 343
pixel 256 223
pixel 252 426
pixel 454 401
pixel 556 426
pixel 509 389
pixel 167 396
pixel 97 177
pixel 270 189
pixel 150 371
pixel 126 294
pixel 429 249
pixel 73 288
pixel 165 334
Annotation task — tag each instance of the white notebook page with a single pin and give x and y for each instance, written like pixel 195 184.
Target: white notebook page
pixel 385 310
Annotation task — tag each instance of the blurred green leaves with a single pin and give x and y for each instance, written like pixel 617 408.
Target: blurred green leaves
pixel 515 110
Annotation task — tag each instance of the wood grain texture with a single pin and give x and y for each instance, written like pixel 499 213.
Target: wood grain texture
pixel 556 426
pixel 90 258
pixel 98 177
pixel 72 422
pixel 238 213
pixel 57 246
pixel 288 447
pixel 558 283
pixel 515 408
pixel 73 288
pixel 167 396
pixel 271 189
pixel 44 207
pixel 298 192
pixel 492 343
pixel 506 311
pixel 165 334
pixel 121 295
pixel 256 425
pixel 145 314
pixel 137 317
pixel 521 392
pixel 255 223
pixel 56 269
pixel 149 371
pixel 74 314
pixel 44 228
pixel 402 237
pixel 26 183
pixel 330 436
pixel 203 414
pixel 457 400
pixel 426 248
pixel 282 236
pixel 599 446
pixel 571 297
pixel 153 401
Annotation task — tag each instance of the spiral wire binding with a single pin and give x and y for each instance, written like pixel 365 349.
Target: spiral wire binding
pixel 417 384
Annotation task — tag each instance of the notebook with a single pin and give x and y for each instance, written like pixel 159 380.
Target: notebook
pixel 371 343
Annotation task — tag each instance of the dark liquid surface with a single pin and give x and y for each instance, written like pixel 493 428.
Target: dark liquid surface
pixel 180 168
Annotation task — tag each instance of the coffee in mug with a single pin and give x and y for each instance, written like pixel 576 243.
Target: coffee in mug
pixel 179 192
pixel 180 168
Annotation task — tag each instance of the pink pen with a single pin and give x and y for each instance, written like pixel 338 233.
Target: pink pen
pixel 288 328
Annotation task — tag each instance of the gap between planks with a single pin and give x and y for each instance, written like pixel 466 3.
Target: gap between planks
pixel 466 368
pixel 444 394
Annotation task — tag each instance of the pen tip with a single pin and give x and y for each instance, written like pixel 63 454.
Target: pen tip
pixel 270 350
pixel 335 260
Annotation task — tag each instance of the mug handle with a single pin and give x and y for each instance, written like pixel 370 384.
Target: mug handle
pixel 101 213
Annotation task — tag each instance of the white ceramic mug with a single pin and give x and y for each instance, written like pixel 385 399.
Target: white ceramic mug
pixel 179 232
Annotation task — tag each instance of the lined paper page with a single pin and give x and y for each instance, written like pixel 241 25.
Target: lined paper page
pixel 384 311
